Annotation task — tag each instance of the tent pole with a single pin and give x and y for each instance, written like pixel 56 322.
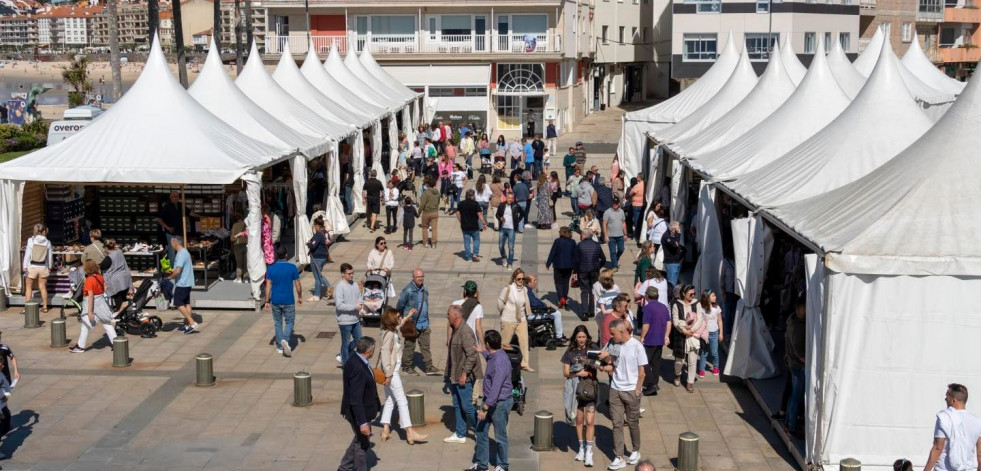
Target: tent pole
pixel 183 216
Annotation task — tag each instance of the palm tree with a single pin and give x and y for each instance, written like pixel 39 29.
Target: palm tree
pixel 179 41
pixel 248 25
pixel 216 25
pixel 114 62
pixel 77 76
pixel 152 19
pixel 237 28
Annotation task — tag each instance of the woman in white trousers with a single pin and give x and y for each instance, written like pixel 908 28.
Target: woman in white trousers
pixel 390 361
pixel 95 307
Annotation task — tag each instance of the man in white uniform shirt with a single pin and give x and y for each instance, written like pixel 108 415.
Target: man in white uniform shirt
pixel 956 435
pixel 626 365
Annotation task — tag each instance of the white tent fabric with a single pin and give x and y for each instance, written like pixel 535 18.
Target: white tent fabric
pixel 849 79
pixel 357 166
pixel 407 127
pixel 814 324
pixel 865 61
pixel 253 225
pixel 636 124
pixel 215 90
pixel 393 143
pixel 415 111
pixel 288 76
pixel 304 231
pixel 795 70
pixel 334 66
pixel 920 66
pixel 867 225
pixel 335 209
pixel 881 121
pixel 740 83
pixel 11 202
pixel 354 65
pixel 376 152
pixel 816 102
pixel 371 66
pixel 750 344
pixel 260 87
pixel 313 70
pixel 707 269
pixel 771 91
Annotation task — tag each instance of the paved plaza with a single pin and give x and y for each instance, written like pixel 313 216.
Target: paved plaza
pixel 76 412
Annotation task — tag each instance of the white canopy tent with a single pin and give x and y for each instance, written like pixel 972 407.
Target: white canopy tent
pixel 865 61
pixel 334 66
pixel 795 70
pixel 369 63
pixel 154 134
pixel 918 63
pixel 881 121
pixel 313 70
pixel 895 283
pixel 636 124
pixel 288 76
pixel 849 79
pixel 380 88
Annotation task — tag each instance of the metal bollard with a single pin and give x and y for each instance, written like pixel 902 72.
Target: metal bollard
pixel 32 315
pixel 542 440
pixel 417 407
pixel 688 452
pixel 850 464
pixel 205 370
pixel 4 302
pixel 58 337
pixel 120 353
pixel 302 389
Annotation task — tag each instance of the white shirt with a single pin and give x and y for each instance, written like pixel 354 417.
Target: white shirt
pixel 508 218
pixel 657 229
pixel 962 439
pixel 437 134
pixel 625 372
pixel 485 196
pixel 391 197
pixel 478 313
pixel 662 290
pixel 458 177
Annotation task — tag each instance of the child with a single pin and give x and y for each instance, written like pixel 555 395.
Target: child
pixel 408 222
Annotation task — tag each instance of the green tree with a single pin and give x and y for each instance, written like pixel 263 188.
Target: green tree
pixel 77 76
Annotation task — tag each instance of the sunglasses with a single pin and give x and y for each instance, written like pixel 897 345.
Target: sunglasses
pixel 383 243
pixel 520 278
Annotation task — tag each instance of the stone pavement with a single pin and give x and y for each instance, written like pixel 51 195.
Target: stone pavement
pixel 76 412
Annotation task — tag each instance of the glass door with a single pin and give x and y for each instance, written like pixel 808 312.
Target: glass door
pixel 503 36
pixel 480 33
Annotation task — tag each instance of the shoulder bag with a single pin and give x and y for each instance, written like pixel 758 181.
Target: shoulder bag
pixel 408 329
pixel 587 389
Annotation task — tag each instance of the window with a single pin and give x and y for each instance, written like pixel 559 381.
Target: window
pixel 385 25
pixel 907 32
pixel 846 41
pixel 827 41
pixel 535 24
pixel 457 91
pixel 947 37
pixel 633 34
pixel 455 24
pixel 520 78
pixel 762 6
pixel 707 6
pixel 934 7
pixel 620 36
pixel 508 112
pixel 700 47
pixel 809 40
pixel 758 46
pixel 606 31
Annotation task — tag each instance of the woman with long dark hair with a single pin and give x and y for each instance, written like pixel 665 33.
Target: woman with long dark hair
pixel 576 364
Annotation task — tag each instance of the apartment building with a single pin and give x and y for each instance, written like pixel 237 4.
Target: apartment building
pixel 633 51
pixel 66 26
pixel 18 30
pixel 228 19
pixel 132 26
pixel 699 28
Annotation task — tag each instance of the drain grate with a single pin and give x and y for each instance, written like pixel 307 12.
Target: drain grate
pixel 326 335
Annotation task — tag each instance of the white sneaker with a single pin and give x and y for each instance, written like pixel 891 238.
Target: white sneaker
pixel 634 458
pixel 581 455
pixel 338 358
pixel 279 350
pixel 617 464
pixel 589 457
pixel 528 226
pixel 642 410
pixel 455 439
pixel 286 348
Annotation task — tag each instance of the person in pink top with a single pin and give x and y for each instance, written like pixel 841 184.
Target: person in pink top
pixel 636 196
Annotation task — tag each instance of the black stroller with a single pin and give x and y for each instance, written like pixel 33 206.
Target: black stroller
pixel 519 391
pixel 541 328
pixel 133 319
pixel 73 299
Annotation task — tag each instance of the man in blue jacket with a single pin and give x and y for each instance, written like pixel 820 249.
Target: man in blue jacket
pixel 563 256
pixel 415 295
pixel 589 260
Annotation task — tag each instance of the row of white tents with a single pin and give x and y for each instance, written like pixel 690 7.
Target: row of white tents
pixel 218 132
pixel 874 166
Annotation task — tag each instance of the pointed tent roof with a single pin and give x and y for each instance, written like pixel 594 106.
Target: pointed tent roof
pixel 771 91
pixel 816 102
pixel 260 87
pixel 865 61
pixel 334 66
pixel 690 99
pixel 866 226
pixel 740 83
pixel 313 70
pixel 215 90
pixel 848 78
pixel 795 70
pixel 918 63
pixel 156 133
pixel 928 96
pixel 370 65
pixel 288 76
pixel 881 122
pixel 352 63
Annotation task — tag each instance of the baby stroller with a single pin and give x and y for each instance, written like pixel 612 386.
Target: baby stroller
pixel 133 319
pixel 519 391
pixel 73 298
pixel 486 165
pixel 374 295
pixel 541 328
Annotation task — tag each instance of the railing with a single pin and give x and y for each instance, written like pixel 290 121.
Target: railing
pixel 422 43
pixel 867 4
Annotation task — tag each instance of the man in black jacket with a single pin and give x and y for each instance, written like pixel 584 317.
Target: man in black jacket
pixel 604 200
pixel 674 252
pixel 359 404
pixel 509 216
pixel 589 260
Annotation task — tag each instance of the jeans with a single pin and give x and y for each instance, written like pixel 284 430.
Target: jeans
pixel 574 201
pixel 320 284
pixel 497 416
pixel 636 214
pixel 350 334
pixel 286 314
pixel 713 349
pixel 586 282
pixel 463 409
pixel 506 235
pixel 796 397
pixel 468 237
pixel 519 224
pixel 673 270
pixel 348 203
pixel 483 208
pixel 391 217
pixel 616 250
pixel 455 199
pixel 538 168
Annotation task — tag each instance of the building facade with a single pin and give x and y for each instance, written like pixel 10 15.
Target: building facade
pixel 18 30
pixel 632 50
pixel 700 28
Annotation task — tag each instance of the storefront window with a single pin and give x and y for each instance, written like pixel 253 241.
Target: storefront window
pixel 521 78
pixel 508 112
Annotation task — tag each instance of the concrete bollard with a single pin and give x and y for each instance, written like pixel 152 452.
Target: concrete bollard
pixel 542 439
pixel 59 338
pixel 417 407
pixel 850 464
pixel 120 353
pixel 4 302
pixel 32 315
pixel 302 389
pixel 205 370
pixel 688 452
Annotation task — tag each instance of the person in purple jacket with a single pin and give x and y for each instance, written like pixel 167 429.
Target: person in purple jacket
pixel 497 404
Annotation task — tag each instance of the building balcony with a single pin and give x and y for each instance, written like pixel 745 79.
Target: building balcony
pixel 866 6
pixel 970 54
pixel 419 43
pixel 966 14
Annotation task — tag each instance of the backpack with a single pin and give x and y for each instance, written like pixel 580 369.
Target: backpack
pixel 39 254
pixel 587 390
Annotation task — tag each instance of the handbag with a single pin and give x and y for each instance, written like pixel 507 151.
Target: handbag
pixel 408 329
pixel 379 374
pixel 658 262
pixel 587 390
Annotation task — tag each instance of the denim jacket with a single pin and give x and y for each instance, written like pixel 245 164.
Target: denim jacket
pixel 412 297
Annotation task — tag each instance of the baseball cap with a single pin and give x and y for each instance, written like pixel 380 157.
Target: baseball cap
pixel 470 285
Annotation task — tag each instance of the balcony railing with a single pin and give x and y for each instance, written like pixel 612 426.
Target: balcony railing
pixel 420 43
pixel 867 4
